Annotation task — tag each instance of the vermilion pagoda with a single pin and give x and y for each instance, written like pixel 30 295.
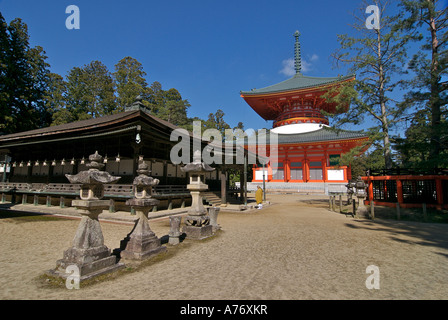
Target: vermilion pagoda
pixel 307 148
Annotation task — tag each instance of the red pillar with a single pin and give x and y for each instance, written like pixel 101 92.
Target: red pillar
pixel 348 170
pixel 399 191
pixel 439 191
pixel 370 182
pixel 306 170
pixel 325 160
pixel 286 170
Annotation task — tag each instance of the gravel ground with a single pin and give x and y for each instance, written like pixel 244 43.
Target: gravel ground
pixel 294 249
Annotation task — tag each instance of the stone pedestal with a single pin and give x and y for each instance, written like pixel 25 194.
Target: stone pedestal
pixel 88 252
pixel 362 211
pixel 213 214
pixel 197 207
pixel 141 243
pixel 175 233
pixel 197 227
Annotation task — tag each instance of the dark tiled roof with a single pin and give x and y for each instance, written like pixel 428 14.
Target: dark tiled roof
pixel 299 81
pixel 81 125
pixel 323 134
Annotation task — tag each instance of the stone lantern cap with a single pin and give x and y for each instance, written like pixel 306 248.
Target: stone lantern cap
pixel 93 175
pixel 143 183
pixel 143 178
pixel 92 181
pixel 197 166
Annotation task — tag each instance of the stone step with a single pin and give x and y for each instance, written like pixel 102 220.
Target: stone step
pixel 211 198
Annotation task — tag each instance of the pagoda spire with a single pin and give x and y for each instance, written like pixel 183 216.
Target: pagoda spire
pixel 297 54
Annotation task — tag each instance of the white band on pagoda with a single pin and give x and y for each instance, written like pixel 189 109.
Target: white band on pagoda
pixel 298 128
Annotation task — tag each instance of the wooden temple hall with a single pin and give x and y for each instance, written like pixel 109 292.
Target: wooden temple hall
pixel 37 160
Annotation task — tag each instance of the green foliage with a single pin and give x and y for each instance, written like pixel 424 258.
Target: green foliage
pixel 130 81
pixel 90 93
pixel 174 109
pixel 216 121
pixel 373 160
pixel 376 57
pixel 24 76
pixel 426 143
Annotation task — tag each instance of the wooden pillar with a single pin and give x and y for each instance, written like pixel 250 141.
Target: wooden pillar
pixel 399 191
pixel 50 173
pixel 286 170
pixel 170 203
pixel 223 186
pixel 348 172
pixel 324 169
pixel 245 180
pixel 439 191
pixel 165 171
pixel 306 170
pixel 269 172
pixel 370 189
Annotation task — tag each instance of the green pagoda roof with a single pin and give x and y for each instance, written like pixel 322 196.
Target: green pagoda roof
pixel 297 82
pixel 321 135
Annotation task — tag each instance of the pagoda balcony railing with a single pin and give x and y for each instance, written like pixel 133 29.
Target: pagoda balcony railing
pixel 295 114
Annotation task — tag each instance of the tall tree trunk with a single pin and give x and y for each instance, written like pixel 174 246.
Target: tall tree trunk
pixel 434 96
pixel 382 101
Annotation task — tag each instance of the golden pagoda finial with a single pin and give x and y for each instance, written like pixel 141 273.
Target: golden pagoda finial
pixel 297 54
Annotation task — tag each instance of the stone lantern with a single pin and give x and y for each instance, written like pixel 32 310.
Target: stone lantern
pixel 88 251
pixel 197 222
pixel 360 193
pixel 142 243
pixel 360 187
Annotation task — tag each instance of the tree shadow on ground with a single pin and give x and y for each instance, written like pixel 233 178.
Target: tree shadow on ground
pixel 6 213
pixel 409 232
pixel 317 203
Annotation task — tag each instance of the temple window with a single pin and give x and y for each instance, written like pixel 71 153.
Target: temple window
pixel 316 170
pixel 296 171
pixel 277 171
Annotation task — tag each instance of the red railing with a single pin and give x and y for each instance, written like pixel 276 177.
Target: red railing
pixel 409 191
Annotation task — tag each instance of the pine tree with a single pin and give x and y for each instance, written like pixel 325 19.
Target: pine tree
pixel 55 99
pixel 90 94
pixel 24 77
pixel 216 121
pixel 155 97
pixel 174 109
pixel 130 81
pixel 426 145
pixel 376 56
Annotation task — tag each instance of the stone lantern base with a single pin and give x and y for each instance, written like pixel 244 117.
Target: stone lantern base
pixel 197 227
pixel 88 253
pixel 141 243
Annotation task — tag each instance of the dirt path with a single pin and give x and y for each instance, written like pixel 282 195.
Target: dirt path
pixel 294 249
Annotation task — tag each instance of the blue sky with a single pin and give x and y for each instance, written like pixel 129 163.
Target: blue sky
pixel 209 50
